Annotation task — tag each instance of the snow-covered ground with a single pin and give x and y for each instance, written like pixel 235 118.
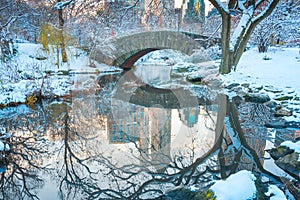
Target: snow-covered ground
pixel 26 74
pixel 278 67
pixel 276 73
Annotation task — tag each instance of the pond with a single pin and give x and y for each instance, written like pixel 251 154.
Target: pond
pixel 137 135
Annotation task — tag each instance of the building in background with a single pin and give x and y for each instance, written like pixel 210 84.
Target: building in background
pixel 191 10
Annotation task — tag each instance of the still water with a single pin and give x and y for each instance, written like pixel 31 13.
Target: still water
pixel 137 135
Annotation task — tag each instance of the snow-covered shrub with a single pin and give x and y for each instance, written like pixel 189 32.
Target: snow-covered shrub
pixel 7 49
pixel 214 52
pixel 9 72
pixel 199 56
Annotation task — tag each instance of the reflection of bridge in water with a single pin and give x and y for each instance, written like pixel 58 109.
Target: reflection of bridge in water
pixel 160 121
pixel 131 89
pixel 159 133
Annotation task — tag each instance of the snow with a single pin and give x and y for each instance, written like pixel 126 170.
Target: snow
pixel 282 71
pixel 27 66
pixel 279 73
pixel 62 5
pixel 238 186
pixel 243 24
pixel 1 146
pixel 275 193
pixel 292 145
pixel 4 147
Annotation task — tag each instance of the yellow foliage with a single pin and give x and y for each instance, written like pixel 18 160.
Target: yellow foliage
pixel 197 7
pixel 31 100
pixel 49 34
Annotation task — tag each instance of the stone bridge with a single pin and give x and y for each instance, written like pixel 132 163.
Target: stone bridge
pixel 124 51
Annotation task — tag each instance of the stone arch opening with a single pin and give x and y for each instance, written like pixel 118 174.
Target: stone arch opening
pixel 129 62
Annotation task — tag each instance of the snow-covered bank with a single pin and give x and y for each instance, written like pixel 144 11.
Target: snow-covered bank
pixel 275 73
pixel 241 186
pixel 35 70
pixel 279 67
pixel 223 188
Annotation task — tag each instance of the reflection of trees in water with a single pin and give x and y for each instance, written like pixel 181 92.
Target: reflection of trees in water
pixel 20 179
pixel 82 169
pixel 237 148
pixel 142 179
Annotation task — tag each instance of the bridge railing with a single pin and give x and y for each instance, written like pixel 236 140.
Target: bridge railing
pixel 126 32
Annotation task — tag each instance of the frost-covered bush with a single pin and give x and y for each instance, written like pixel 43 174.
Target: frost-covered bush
pixel 7 49
pixel 9 72
pixel 214 52
pixel 199 56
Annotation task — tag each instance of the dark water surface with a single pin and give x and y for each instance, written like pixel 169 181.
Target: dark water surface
pixel 130 138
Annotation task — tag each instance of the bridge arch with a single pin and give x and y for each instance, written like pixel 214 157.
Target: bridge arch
pixel 125 51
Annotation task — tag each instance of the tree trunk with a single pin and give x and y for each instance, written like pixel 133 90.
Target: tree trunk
pixel 262 48
pixel 61 33
pixel 227 55
pixel 231 55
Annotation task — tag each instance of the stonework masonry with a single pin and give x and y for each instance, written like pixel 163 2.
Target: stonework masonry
pixel 126 50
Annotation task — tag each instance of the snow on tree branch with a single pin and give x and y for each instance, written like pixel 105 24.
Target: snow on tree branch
pixel 219 5
pixel 243 24
pixel 241 4
pixel 62 5
pixel 266 12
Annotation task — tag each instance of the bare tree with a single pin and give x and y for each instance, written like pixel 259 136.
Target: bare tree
pixel 7 18
pixel 265 32
pixel 60 6
pixel 280 27
pixel 19 165
pixel 251 14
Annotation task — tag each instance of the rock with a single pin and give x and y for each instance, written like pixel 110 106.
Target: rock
pixel 279 152
pixel 284 98
pixel 257 97
pixel 290 164
pixel 276 124
pixel 292 124
pixel 183 193
pixel 272 89
pixel 246 85
pixel 213 81
pixel 199 56
pixel 232 85
pixel 41 58
pixel 237 100
pixel 180 68
pixel 237 89
pixel 271 104
pixel 282 112
pixel 291 186
pixel 194 78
